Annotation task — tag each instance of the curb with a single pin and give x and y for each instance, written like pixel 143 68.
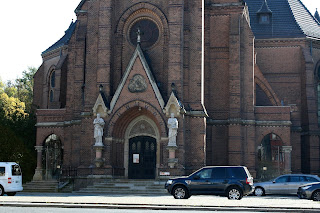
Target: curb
pixel 151 207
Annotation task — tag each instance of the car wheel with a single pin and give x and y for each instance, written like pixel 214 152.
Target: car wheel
pixel 259 191
pixel 11 193
pixel 234 193
pixel 316 196
pixel 1 190
pixel 180 192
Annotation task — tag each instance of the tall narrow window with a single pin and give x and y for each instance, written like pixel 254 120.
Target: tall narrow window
pixel 53 79
pixel 51 96
pixel 52 85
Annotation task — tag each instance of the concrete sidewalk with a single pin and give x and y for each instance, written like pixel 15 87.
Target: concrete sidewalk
pixel 249 203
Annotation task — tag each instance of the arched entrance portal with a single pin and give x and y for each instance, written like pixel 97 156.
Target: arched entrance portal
pixel 52 157
pixel 271 157
pixel 141 151
pixel 142 157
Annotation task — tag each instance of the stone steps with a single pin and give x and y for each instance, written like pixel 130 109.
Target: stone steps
pixel 41 186
pixel 126 187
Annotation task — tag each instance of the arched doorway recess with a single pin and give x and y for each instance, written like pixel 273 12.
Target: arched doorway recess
pixel 52 157
pixel 271 157
pixel 141 151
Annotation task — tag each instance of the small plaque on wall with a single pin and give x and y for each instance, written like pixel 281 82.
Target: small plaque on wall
pixel 164 173
pixel 136 158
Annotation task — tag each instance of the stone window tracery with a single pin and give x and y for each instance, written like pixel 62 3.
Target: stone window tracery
pixel 52 85
pixel 149 32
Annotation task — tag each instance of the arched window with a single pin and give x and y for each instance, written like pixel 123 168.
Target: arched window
pixel 52 85
pixel 147 31
pixel 51 96
pixel 53 79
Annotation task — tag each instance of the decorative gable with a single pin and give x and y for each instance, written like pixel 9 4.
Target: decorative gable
pixel 138 81
pixel 173 106
pixel 100 106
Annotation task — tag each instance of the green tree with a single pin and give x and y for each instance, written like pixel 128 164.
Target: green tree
pixel 17 123
pixel 13 149
pixel 13 108
pixel 1 86
pixel 24 87
pixel 10 89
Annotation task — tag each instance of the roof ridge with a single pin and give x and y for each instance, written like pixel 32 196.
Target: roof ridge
pixel 294 17
pixel 304 19
pixel 264 8
pixel 64 39
pixel 309 12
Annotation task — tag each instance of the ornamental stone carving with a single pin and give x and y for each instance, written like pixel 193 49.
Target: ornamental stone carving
pixel 142 127
pixel 137 84
pixel 173 130
pixel 98 130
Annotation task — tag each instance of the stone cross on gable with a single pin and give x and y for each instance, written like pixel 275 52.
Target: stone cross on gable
pixel 139 35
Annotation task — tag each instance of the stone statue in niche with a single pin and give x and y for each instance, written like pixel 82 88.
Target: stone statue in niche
pixel 98 130
pixel 173 130
pixel 137 84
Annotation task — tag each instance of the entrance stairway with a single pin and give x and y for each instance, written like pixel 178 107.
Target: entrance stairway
pixel 121 186
pixel 46 186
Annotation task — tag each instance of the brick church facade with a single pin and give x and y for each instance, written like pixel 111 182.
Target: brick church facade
pixel 240 76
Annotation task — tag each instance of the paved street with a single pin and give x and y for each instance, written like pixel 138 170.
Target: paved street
pixel 78 210
pixel 203 203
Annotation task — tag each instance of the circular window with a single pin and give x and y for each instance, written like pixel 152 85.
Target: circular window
pixel 148 30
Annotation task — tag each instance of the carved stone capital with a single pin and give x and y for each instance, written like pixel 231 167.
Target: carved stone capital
pixel 39 148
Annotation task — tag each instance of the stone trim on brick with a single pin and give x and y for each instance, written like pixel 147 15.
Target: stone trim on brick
pixel 59 124
pixel 138 53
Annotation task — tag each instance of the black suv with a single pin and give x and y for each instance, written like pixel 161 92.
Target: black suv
pixel 231 181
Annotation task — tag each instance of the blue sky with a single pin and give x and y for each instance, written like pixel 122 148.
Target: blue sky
pixel 30 27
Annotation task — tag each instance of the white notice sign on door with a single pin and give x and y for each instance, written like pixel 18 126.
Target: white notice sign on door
pixel 136 158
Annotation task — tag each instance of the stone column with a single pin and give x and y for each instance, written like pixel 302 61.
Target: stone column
pixel 39 171
pixel 287 158
pixel 172 161
pixel 99 160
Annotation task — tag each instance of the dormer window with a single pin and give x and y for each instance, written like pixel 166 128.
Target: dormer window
pixel 264 19
pixel 264 13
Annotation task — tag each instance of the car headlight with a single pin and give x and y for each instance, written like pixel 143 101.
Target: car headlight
pixel 306 187
pixel 169 182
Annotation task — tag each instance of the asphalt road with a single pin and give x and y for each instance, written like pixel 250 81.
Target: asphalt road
pixel 79 210
pixel 61 202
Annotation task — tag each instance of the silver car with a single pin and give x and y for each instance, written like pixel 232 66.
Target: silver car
pixel 284 184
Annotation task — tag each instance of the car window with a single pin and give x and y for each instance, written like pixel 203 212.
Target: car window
pixel 204 174
pixel 236 172
pixel 296 179
pixel 219 173
pixel 312 179
pixel 16 171
pixel 2 171
pixel 282 179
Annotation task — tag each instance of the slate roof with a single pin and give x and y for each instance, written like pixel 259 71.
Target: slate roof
pixel 289 19
pixel 317 16
pixel 64 40
pixel 264 8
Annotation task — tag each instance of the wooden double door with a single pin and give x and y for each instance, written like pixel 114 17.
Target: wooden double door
pixel 142 157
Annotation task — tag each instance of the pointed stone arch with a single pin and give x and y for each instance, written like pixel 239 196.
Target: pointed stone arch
pixel 265 86
pixel 141 126
pixel 173 106
pixel 118 122
pixel 52 157
pixel 273 156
